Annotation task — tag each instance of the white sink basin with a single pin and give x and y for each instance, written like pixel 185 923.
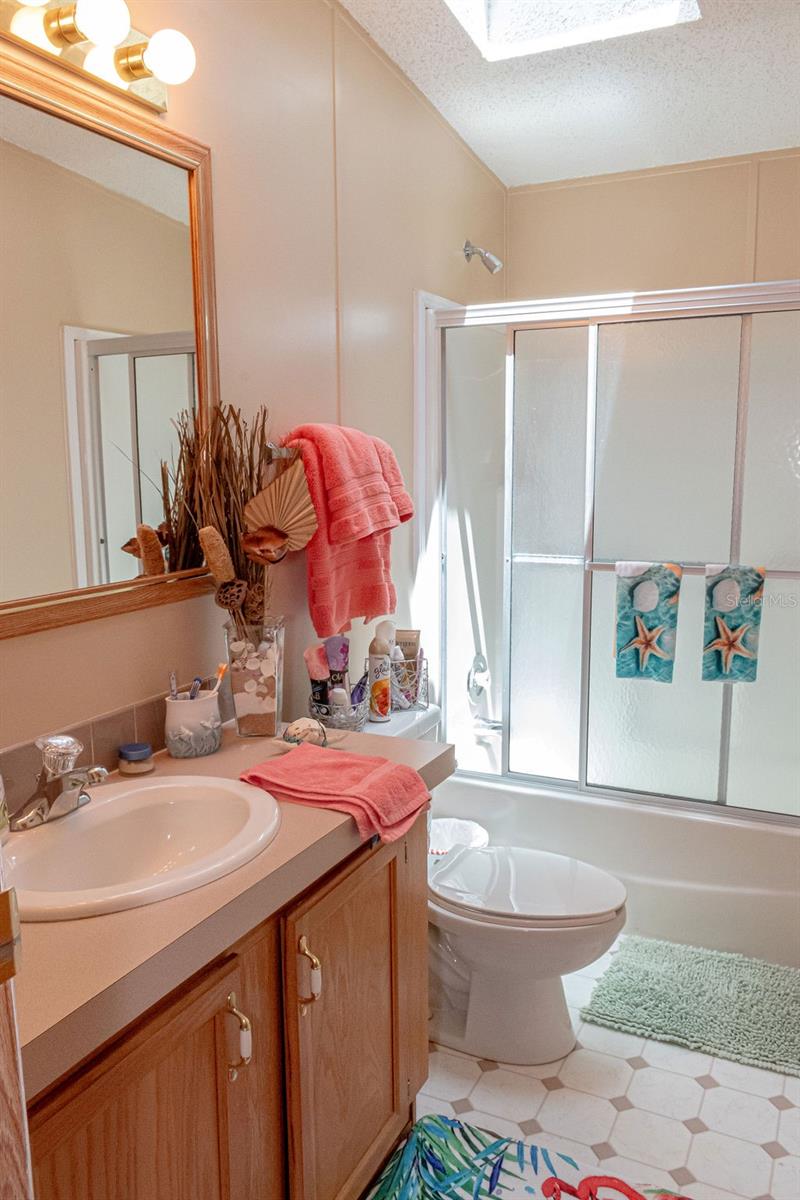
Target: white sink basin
pixel 137 842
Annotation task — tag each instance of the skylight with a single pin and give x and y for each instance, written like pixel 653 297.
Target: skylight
pixel 513 28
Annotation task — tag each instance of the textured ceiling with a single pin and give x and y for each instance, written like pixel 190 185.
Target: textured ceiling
pixel 726 84
pixel 150 181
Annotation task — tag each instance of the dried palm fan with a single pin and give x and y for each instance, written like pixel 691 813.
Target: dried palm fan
pixel 218 559
pixel 150 550
pixel 280 518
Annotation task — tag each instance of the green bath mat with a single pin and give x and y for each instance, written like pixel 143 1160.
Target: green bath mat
pixel 723 1004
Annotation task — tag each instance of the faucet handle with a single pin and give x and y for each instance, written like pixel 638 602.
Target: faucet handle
pixel 59 752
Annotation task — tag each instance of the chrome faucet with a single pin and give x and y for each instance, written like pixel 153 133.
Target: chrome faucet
pixel 60 787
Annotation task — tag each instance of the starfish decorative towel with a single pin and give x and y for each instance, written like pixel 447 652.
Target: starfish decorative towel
pixel 647 619
pixel 734 596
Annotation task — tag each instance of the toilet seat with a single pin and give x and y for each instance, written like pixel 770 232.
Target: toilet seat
pixel 522 887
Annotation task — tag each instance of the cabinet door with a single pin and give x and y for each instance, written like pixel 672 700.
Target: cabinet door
pixel 148 1120
pixel 256 1122
pixel 354 1053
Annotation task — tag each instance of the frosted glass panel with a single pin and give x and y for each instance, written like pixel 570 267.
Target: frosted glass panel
pixel 164 387
pixel 117 451
pixel 549 440
pixel 652 737
pixel 546 614
pixel 666 428
pixel 764 767
pixel 771 510
pixel 475 464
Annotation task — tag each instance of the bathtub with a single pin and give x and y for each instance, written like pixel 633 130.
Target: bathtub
pixel 709 879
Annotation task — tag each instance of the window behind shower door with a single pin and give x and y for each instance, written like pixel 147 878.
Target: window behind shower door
pixel 129 391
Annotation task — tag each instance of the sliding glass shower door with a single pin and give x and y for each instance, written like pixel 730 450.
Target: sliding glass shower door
pixel 571 446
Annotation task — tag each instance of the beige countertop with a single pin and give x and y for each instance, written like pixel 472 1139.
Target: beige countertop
pixel 82 981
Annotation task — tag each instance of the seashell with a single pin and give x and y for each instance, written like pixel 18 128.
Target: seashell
pixel 645 596
pixel 265 546
pixel 253 664
pixel 236 647
pixel 250 685
pixel 284 506
pixel 306 730
pixel 726 595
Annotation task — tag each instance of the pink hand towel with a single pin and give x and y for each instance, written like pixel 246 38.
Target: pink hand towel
pixel 363 486
pixel 382 797
pixel 350 575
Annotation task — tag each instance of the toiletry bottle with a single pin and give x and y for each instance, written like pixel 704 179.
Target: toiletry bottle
pixel 387 631
pixel 136 758
pixel 380 697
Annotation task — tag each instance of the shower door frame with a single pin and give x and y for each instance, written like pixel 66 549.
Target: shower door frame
pixel 433 317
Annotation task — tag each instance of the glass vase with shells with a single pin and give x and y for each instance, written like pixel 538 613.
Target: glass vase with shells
pixel 253 508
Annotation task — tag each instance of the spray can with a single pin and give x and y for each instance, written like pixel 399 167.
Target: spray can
pixel 380 694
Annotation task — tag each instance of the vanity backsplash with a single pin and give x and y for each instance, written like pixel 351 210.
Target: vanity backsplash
pixel 101 737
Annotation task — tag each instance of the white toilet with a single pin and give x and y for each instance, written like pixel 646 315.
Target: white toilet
pixel 505 923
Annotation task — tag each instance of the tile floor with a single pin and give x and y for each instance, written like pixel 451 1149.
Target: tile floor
pixel 649 1111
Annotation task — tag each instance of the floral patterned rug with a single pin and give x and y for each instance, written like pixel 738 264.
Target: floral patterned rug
pixel 444 1159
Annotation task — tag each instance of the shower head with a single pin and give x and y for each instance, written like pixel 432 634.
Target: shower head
pixel 492 263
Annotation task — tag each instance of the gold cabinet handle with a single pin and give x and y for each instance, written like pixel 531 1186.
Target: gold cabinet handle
pixel 316 974
pixel 245 1039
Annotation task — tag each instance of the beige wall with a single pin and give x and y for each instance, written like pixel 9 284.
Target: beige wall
pixel 725 221
pixel 337 191
pixel 81 278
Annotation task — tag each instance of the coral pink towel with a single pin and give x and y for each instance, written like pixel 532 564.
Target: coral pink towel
pixel 359 496
pixel 382 797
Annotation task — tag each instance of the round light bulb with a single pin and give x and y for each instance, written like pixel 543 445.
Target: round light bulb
pixel 104 22
pixel 34 3
pixel 28 24
pixel 170 56
pixel 100 63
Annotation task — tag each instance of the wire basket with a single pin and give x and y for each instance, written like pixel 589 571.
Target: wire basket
pixel 335 716
pixel 409 684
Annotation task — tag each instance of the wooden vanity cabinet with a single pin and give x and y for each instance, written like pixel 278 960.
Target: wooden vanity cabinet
pixel 156 1117
pixel 332 1080
pixel 356 1034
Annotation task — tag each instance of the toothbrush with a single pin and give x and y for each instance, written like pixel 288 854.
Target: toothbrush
pixel 221 669
pixel 197 683
pixel 173 686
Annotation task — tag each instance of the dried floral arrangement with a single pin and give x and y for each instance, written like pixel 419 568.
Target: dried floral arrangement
pixel 221 465
pixel 241 504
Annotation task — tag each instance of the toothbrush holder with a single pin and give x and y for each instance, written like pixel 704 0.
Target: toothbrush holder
pixel 193 728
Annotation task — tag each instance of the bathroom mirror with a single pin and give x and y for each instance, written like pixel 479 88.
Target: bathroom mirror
pixel 106 334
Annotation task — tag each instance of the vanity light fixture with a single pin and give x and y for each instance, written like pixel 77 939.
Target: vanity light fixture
pixel 28 25
pixel 95 37
pixel 103 22
pixel 169 56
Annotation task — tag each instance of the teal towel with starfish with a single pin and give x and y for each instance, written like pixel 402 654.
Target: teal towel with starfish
pixel 734 597
pixel 647 619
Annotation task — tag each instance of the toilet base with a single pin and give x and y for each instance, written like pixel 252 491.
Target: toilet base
pixel 522 1026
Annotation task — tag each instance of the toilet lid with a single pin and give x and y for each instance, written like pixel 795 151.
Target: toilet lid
pixel 514 881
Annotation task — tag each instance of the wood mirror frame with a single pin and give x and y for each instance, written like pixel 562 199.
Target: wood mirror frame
pixel 55 88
